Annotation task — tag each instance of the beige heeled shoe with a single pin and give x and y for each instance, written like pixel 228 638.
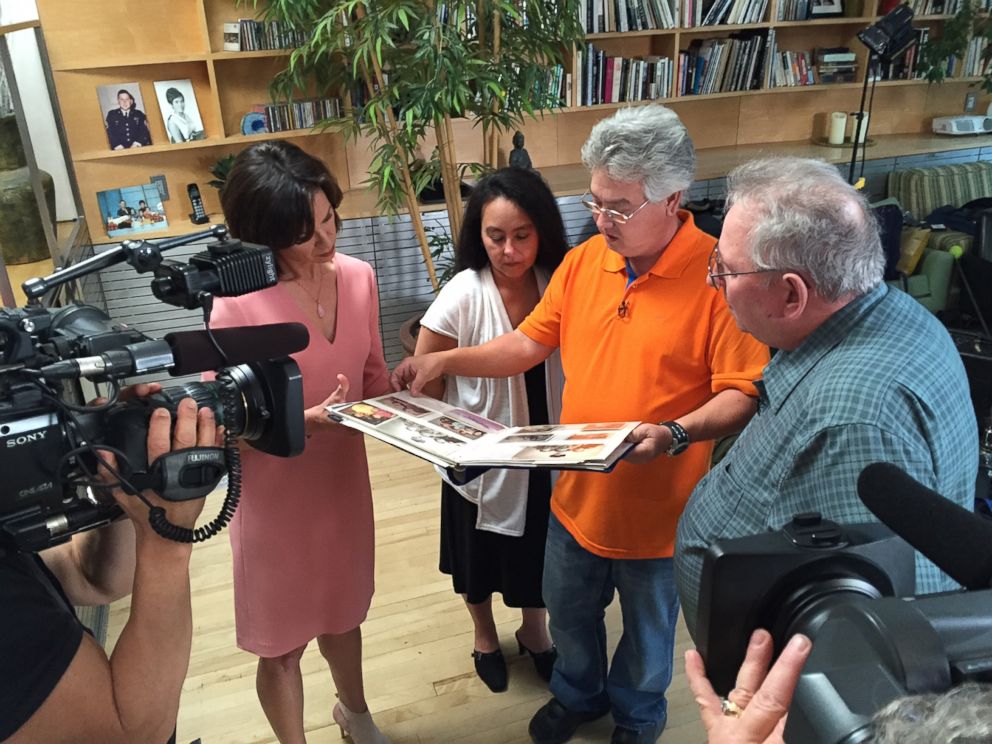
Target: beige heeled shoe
pixel 359 728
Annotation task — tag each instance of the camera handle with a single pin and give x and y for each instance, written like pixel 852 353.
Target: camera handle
pixel 140 254
pixel 130 428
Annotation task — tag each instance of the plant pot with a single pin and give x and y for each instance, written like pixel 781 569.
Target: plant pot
pixel 22 235
pixel 408 333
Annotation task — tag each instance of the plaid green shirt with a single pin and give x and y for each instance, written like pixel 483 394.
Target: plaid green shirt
pixel 880 380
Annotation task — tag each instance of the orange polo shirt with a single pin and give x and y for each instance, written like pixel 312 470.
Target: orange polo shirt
pixel 675 347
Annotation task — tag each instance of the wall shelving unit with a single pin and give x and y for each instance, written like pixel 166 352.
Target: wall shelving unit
pixel 114 41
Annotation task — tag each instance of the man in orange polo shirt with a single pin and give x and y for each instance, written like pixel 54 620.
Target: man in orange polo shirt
pixel 642 338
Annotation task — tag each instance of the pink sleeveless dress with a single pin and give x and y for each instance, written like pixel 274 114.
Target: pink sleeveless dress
pixel 302 538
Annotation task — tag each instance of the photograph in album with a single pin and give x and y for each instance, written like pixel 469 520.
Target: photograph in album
pixel 461 440
pixel 180 114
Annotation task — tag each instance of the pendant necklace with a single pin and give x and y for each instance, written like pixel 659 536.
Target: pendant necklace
pixel 316 298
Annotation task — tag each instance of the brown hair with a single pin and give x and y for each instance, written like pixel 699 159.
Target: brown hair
pixel 268 196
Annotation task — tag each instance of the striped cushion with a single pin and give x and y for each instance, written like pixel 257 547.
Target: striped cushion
pixel 922 190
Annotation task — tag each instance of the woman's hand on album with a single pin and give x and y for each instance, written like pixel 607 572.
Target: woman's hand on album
pixel 754 712
pixel 317 418
pixel 416 371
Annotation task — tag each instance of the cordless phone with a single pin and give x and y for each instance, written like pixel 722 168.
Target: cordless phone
pixel 199 214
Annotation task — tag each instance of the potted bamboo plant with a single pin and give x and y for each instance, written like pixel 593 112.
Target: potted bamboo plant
pixel 968 23
pixel 411 67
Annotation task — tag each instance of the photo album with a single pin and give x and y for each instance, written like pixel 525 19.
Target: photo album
pixel 460 440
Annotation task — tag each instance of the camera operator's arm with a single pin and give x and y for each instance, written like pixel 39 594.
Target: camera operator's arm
pixel 756 708
pixel 134 695
pixel 97 567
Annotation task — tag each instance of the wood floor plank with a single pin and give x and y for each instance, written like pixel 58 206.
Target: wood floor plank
pixel 419 677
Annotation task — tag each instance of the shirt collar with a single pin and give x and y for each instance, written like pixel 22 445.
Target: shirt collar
pixel 787 368
pixel 673 260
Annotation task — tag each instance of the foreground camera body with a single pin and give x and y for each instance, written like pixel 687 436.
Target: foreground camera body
pixel 47 443
pixel 849 589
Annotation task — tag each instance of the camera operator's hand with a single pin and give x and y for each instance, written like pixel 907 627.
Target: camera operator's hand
pixel 134 695
pixel 193 429
pixel 760 701
pixel 317 418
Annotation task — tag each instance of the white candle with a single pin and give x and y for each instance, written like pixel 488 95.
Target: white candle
pixel 858 133
pixel 838 125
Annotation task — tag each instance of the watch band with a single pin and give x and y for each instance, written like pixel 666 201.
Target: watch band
pixel 680 438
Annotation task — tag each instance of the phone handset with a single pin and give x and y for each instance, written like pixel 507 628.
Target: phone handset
pixel 199 214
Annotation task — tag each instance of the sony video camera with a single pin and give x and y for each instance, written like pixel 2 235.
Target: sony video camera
pixel 48 442
pixel 849 588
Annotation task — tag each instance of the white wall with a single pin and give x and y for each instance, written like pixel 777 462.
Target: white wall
pixel 34 95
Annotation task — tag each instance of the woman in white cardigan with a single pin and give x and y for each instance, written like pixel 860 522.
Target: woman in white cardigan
pixel 494 528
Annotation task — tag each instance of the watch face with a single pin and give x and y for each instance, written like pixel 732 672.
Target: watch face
pixel 680 439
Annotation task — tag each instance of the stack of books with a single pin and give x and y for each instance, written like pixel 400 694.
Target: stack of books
pixel 247 35
pixel 611 16
pixel 282 117
pixel 904 66
pixel 793 10
pixel 836 65
pixel 791 69
pixel 614 79
pixel 723 65
pixel 733 12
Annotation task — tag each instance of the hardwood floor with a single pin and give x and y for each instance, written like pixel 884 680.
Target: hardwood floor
pixel 419 678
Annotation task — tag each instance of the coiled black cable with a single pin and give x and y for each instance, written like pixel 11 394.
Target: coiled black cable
pixel 156 514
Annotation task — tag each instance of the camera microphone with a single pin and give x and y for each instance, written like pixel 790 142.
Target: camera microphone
pixel 188 352
pixel 193 352
pixel 957 541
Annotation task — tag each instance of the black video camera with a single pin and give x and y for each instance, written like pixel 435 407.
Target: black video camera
pixel 849 589
pixel 48 443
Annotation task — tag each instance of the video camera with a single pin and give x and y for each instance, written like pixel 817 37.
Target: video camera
pixel 48 443
pixel 849 589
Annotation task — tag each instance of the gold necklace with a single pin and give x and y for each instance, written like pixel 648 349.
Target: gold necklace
pixel 316 298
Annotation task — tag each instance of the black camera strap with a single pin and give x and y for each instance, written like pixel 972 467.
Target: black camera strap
pixel 180 475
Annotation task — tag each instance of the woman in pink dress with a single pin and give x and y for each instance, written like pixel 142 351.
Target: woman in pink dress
pixel 302 538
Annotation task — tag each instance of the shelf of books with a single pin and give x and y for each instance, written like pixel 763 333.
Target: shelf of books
pixel 149 111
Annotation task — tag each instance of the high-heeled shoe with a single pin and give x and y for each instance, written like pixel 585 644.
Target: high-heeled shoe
pixel 358 728
pixel 491 669
pixel 544 661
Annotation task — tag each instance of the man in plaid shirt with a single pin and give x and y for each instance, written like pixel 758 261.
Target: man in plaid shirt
pixel 863 373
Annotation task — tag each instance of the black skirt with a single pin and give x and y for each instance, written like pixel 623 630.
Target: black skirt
pixel 481 562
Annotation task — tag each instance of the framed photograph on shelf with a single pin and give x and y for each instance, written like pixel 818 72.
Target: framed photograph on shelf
pixel 826 9
pixel 124 115
pixel 177 102
pixel 130 209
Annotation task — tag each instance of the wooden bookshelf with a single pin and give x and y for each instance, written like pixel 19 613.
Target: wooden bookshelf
pixel 117 41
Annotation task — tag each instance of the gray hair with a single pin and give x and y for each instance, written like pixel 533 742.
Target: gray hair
pixel 806 218
pixel 646 144
pixel 962 714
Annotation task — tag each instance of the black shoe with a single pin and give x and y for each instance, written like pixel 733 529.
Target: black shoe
pixel 555 724
pixel 491 669
pixel 624 735
pixel 544 661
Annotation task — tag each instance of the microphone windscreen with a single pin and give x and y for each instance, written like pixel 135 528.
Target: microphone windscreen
pixel 956 540
pixel 193 352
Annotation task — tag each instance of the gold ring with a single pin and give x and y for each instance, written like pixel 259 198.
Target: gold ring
pixel 730 708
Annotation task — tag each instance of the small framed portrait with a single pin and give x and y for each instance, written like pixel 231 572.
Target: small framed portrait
pixel 180 114
pixel 130 209
pixel 124 115
pixel 826 8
